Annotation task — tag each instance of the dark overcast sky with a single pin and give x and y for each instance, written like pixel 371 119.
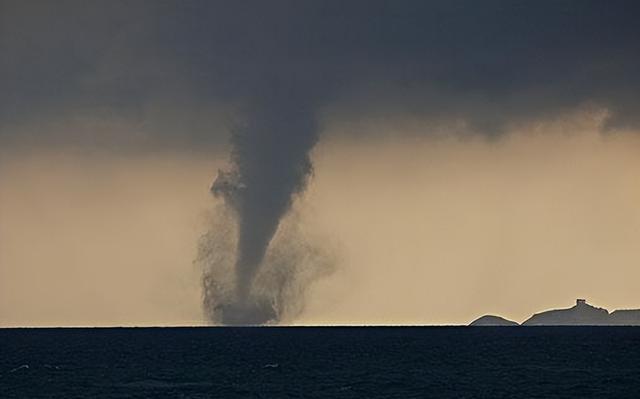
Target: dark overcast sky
pixel 486 62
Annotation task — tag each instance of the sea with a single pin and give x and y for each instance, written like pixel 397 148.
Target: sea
pixel 321 362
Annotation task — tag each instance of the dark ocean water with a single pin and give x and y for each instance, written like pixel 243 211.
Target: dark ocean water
pixel 361 362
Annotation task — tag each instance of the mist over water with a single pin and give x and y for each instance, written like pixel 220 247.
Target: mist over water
pixel 295 259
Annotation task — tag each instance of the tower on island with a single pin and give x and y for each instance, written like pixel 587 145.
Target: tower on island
pixel 580 302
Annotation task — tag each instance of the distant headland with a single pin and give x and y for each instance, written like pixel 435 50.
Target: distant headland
pixel 582 314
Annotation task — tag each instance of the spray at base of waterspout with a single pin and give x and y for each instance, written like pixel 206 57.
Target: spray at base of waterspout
pixel 248 311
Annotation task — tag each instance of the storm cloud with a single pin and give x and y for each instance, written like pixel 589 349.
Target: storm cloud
pixel 486 64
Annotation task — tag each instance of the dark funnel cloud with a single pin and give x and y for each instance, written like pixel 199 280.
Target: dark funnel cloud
pixel 269 164
pixel 149 75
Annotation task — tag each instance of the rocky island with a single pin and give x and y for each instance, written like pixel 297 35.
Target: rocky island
pixel 491 320
pixel 582 314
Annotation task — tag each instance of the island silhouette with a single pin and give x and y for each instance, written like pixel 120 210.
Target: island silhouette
pixel 581 314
